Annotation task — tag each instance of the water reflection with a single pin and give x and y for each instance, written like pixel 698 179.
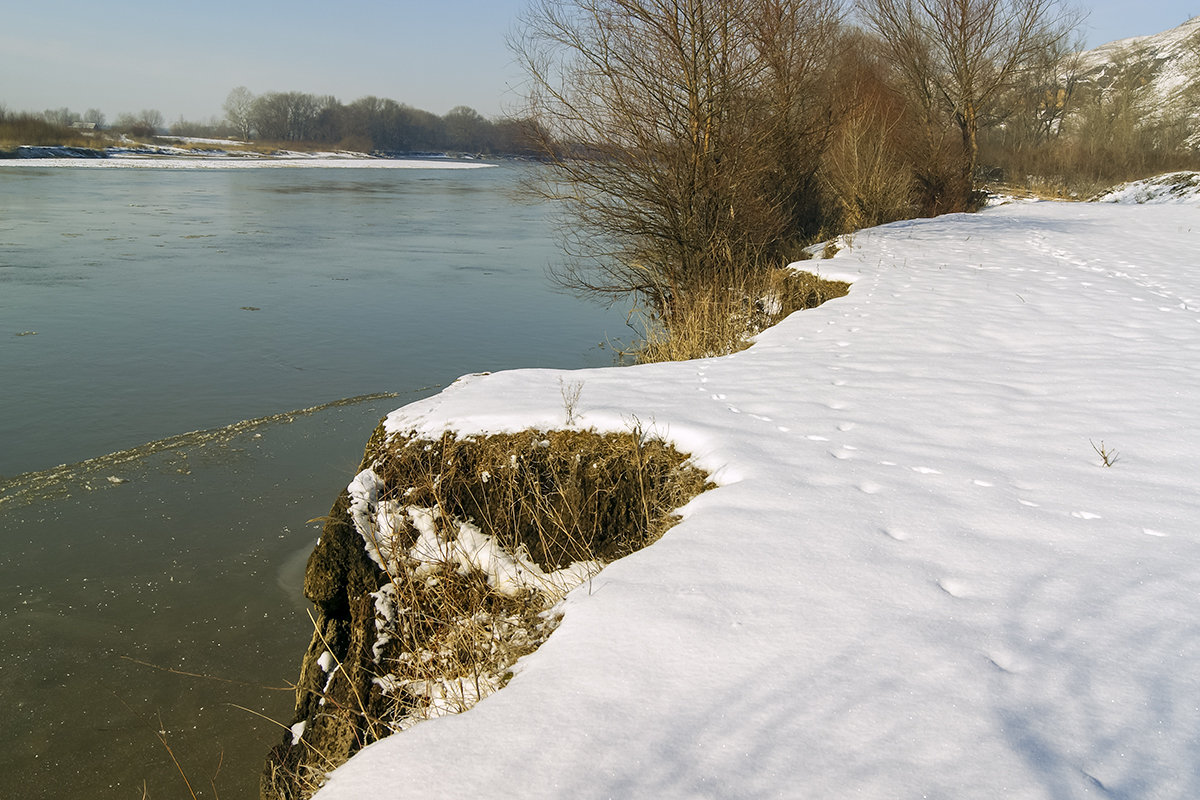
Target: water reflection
pixel 166 600
pixel 153 595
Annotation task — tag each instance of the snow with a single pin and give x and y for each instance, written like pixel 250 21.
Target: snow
pixel 1174 187
pixel 471 550
pixel 443 542
pixel 137 160
pixel 1166 63
pixel 1173 43
pixel 916 578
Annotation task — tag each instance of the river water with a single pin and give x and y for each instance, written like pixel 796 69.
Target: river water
pixel 190 364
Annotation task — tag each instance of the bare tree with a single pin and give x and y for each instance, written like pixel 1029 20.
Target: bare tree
pixel 962 57
pixel 147 122
pixel 464 128
pixel 239 110
pixel 676 132
pixel 1043 93
pixel 63 117
pixel 288 116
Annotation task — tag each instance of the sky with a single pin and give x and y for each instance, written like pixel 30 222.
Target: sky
pixel 183 59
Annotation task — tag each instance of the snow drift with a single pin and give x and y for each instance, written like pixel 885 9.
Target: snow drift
pixel 916 578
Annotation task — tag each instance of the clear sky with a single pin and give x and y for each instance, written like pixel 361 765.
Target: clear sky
pixel 183 58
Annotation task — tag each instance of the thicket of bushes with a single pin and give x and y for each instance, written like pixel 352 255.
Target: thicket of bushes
pixel 1099 131
pixel 695 146
pixel 18 129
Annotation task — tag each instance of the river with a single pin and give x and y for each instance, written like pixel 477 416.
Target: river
pixel 190 364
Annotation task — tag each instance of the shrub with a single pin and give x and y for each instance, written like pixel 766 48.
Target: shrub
pixel 722 320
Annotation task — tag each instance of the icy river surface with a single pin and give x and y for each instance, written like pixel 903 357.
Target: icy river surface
pixel 190 364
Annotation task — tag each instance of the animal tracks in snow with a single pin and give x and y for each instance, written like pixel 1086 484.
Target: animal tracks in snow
pixel 955 588
pixel 1117 268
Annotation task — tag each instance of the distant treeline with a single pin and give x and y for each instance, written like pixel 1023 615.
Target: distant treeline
pixel 369 124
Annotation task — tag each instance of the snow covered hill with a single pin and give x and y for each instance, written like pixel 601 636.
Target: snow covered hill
pixel 917 577
pixel 1161 71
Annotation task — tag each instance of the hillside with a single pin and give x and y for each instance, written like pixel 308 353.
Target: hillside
pixel 1161 73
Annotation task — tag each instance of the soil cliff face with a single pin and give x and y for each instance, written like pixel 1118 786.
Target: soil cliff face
pixel 339 580
pixel 442 563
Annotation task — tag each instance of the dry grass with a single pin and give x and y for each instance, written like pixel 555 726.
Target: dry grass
pixel 430 625
pixel 562 502
pixel 1108 456
pixel 27 129
pixel 723 320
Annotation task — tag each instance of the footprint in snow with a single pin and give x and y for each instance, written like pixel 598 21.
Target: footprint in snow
pixel 1084 515
pixel 1004 661
pixel 954 588
pixel 926 470
pixel 898 534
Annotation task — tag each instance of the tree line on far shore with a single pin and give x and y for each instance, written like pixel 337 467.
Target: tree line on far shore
pixel 369 124
pixel 299 119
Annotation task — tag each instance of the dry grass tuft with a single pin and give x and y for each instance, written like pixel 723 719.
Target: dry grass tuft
pixel 557 505
pixel 723 320
pixel 471 543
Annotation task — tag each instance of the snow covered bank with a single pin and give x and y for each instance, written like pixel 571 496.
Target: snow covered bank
pixel 916 578
pixel 1174 187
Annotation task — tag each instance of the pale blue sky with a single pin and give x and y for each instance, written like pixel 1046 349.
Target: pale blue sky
pixel 183 58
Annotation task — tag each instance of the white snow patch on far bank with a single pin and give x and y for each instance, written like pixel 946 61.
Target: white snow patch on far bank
pixel 293 161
